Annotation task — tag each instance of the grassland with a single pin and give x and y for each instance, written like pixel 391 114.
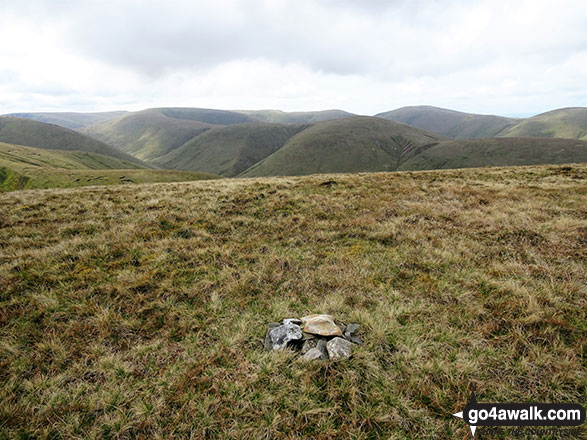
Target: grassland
pixel 139 311
pixel 25 168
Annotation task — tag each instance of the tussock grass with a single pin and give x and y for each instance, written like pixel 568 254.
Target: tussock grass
pixel 139 311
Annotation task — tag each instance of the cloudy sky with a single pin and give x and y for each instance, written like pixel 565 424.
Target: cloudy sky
pixel 365 56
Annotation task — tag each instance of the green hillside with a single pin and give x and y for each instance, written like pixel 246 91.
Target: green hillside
pixel 26 167
pixel 450 123
pixel 20 131
pixel 149 134
pixel 568 123
pixel 139 311
pixel 357 144
pixel 70 120
pixel 21 156
pixel 229 151
pixel 498 152
pixel 281 117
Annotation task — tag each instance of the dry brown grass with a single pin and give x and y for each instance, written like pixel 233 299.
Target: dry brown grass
pixel 139 311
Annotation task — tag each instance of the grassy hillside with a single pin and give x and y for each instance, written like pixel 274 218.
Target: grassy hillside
pixel 70 120
pixel 498 152
pixel 17 155
pixel 278 116
pixel 27 167
pixel 228 151
pixel 450 123
pixel 152 133
pixel 140 311
pixel 361 143
pixel 568 123
pixel 20 131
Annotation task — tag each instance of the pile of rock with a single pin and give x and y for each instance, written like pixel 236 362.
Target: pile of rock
pixel 314 337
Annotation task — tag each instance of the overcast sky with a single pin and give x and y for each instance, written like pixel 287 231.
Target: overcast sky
pixel 364 56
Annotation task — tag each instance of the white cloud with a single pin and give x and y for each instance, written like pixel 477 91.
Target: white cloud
pixel 489 56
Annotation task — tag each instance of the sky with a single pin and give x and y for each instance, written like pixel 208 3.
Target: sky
pixel 514 58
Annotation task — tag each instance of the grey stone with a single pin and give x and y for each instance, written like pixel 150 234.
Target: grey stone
pixel 356 340
pixel 339 348
pixel 313 354
pixel 306 336
pixel 282 335
pixel 308 345
pixel 351 328
pixel 268 344
pixel 292 321
pixel 322 344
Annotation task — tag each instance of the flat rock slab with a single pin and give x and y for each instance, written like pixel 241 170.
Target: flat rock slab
pixel 282 335
pixel 339 348
pixel 322 325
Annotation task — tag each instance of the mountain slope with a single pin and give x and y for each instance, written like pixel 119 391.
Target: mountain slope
pixel 70 120
pixel 498 152
pixel 22 157
pixel 568 123
pixel 152 133
pixel 278 116
pixel 450 123
pixel 20 131
pixel 357 144
pixel 27 167
pixel 228 151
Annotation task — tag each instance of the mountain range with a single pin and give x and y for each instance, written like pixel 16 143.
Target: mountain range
pixel 253 143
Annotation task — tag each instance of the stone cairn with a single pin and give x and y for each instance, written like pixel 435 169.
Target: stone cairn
pixel 313 337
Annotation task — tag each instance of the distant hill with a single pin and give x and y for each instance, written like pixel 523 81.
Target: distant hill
pixel 563 123
pixel 357 144
pixel 21 131
pixel 472 153
pixel 151 133
pixel 450 123
pixel 230 150
pixel 27 167
pixel 70 120
pixel 278 116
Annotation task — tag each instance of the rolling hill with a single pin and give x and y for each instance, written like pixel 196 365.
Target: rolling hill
pixel 450 123
pixel 70 120
pixel 360 143
pixel 230 150
pixel 473 153
pixel 27 167
pixel 151 133
pixel 27 132
pixel 278 116
pixel 568 123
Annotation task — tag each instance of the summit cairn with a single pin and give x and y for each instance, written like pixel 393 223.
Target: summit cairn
pixel 313 337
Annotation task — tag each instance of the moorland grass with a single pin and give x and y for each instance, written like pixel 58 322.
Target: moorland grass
pixel 139 311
